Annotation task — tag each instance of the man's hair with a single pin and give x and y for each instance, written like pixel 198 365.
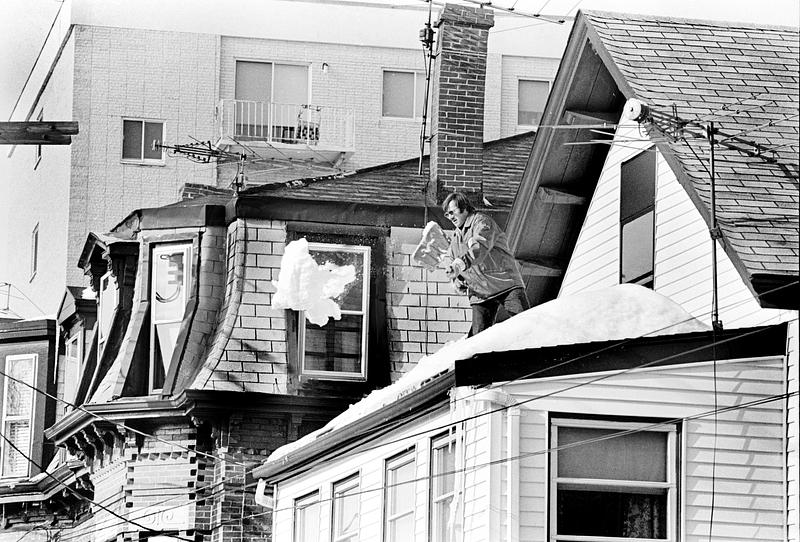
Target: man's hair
pixel 462 202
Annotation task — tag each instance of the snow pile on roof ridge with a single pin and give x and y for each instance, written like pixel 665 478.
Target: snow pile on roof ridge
pixel 625 311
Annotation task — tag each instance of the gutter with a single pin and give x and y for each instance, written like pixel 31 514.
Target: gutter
pixel 431 396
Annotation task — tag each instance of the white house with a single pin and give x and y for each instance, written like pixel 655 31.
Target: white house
pixel 589 417
pixel 606 201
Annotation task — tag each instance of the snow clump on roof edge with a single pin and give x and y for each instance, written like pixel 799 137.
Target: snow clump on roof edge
pixel 621 312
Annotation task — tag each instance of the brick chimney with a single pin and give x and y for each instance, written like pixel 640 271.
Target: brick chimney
pixel 458 101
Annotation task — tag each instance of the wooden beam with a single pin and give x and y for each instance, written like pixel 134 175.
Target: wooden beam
pixel 559 197
pixel 37 132
pixel 541 267
pixel 590 117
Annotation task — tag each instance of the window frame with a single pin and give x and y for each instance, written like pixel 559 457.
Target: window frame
pixel 670 485
pixel 366 251
pixel 5 417
pixel 300 505
pixel 102 306
pixel 414 98
pixel 188 249
pixel 274 63
pixel 34 251
pixel 648 278
pixel 438 442
pixel 549 84
pixel 142 160
pixel 345 484
pixel 78 339
pixel 392 464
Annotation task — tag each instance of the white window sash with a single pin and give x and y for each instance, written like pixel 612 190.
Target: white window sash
pixel 301 507
pixel 141 158
pixel 339 492
pixel 365 252
pixel 392 466
pixel 416 98
pixel 8 418
pixel 670 485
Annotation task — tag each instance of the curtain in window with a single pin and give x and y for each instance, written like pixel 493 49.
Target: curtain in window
pixel 644 517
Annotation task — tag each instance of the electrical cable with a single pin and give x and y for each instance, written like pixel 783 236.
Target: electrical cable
pixel 38 56
pixel 549 450
pixel 78 494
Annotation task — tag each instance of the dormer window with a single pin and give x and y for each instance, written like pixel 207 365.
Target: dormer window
pixel 17 415
pixel 107 302
pixel 338 350
pixel 169 291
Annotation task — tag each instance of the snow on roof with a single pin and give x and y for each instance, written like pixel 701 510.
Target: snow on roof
pixel 621 312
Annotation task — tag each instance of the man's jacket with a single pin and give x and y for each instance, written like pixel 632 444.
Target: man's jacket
pixel 491 269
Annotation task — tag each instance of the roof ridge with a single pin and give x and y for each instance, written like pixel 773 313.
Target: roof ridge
pixel 623 16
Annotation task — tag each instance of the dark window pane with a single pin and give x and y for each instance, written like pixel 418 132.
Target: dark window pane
pixel 637 250
pixel 638 185
pixel 638 456
pixel 336 346
pixel 153 133
pixel 608 513
pixel 132 139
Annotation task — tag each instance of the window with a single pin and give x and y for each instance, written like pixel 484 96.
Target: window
pixel 34 250
pixel 38 153
pixel 339 348
pixel 637 218
pixel 345 510
pixel 170 282
pixel 139 138
pixel 73 360
pixel 443 464
pixel 399 500
pixel 17 415
pixel 106 308
pixel 268 96
pixel 607 484
pixel 531 99
pixel 307 519
pixel 403 94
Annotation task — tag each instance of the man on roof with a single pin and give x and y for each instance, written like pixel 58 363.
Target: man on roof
pixel 483 267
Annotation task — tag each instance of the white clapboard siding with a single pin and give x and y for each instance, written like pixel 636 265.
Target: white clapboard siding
pixel 750 457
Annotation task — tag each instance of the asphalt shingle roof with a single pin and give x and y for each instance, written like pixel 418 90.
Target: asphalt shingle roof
pixel 747 80
pixel 398 183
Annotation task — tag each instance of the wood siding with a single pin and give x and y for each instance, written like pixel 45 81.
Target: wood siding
pixel 750 457
pixel 682 273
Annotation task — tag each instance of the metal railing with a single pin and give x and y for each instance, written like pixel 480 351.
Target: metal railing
pixel 306 124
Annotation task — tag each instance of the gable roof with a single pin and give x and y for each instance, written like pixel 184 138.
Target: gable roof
pixel 400 184
pixel 742 77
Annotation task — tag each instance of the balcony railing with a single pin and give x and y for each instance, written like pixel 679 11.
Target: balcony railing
pixel 293 124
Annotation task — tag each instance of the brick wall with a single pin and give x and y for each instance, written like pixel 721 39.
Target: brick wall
pixel 249 349
pixel 424 310
pixel 163 76
pixel 458 100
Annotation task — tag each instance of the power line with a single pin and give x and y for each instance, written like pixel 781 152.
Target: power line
pixel 549 450
pixel 41 50
pixel 79 495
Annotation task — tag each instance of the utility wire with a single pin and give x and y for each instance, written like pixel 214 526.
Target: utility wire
pixel 81 496
pixel 549 450
pixel 41 50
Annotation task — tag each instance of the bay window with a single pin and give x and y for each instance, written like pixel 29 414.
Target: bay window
pixel 107 302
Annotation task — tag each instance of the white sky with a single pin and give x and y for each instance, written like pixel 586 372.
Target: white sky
pixel 24 24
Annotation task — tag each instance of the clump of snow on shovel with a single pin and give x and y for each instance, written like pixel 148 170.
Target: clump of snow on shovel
pixel 304 285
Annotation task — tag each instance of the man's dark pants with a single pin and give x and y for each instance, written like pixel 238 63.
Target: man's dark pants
pixel 484 313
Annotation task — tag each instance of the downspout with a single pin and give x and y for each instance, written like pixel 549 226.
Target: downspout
pixel 512 474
